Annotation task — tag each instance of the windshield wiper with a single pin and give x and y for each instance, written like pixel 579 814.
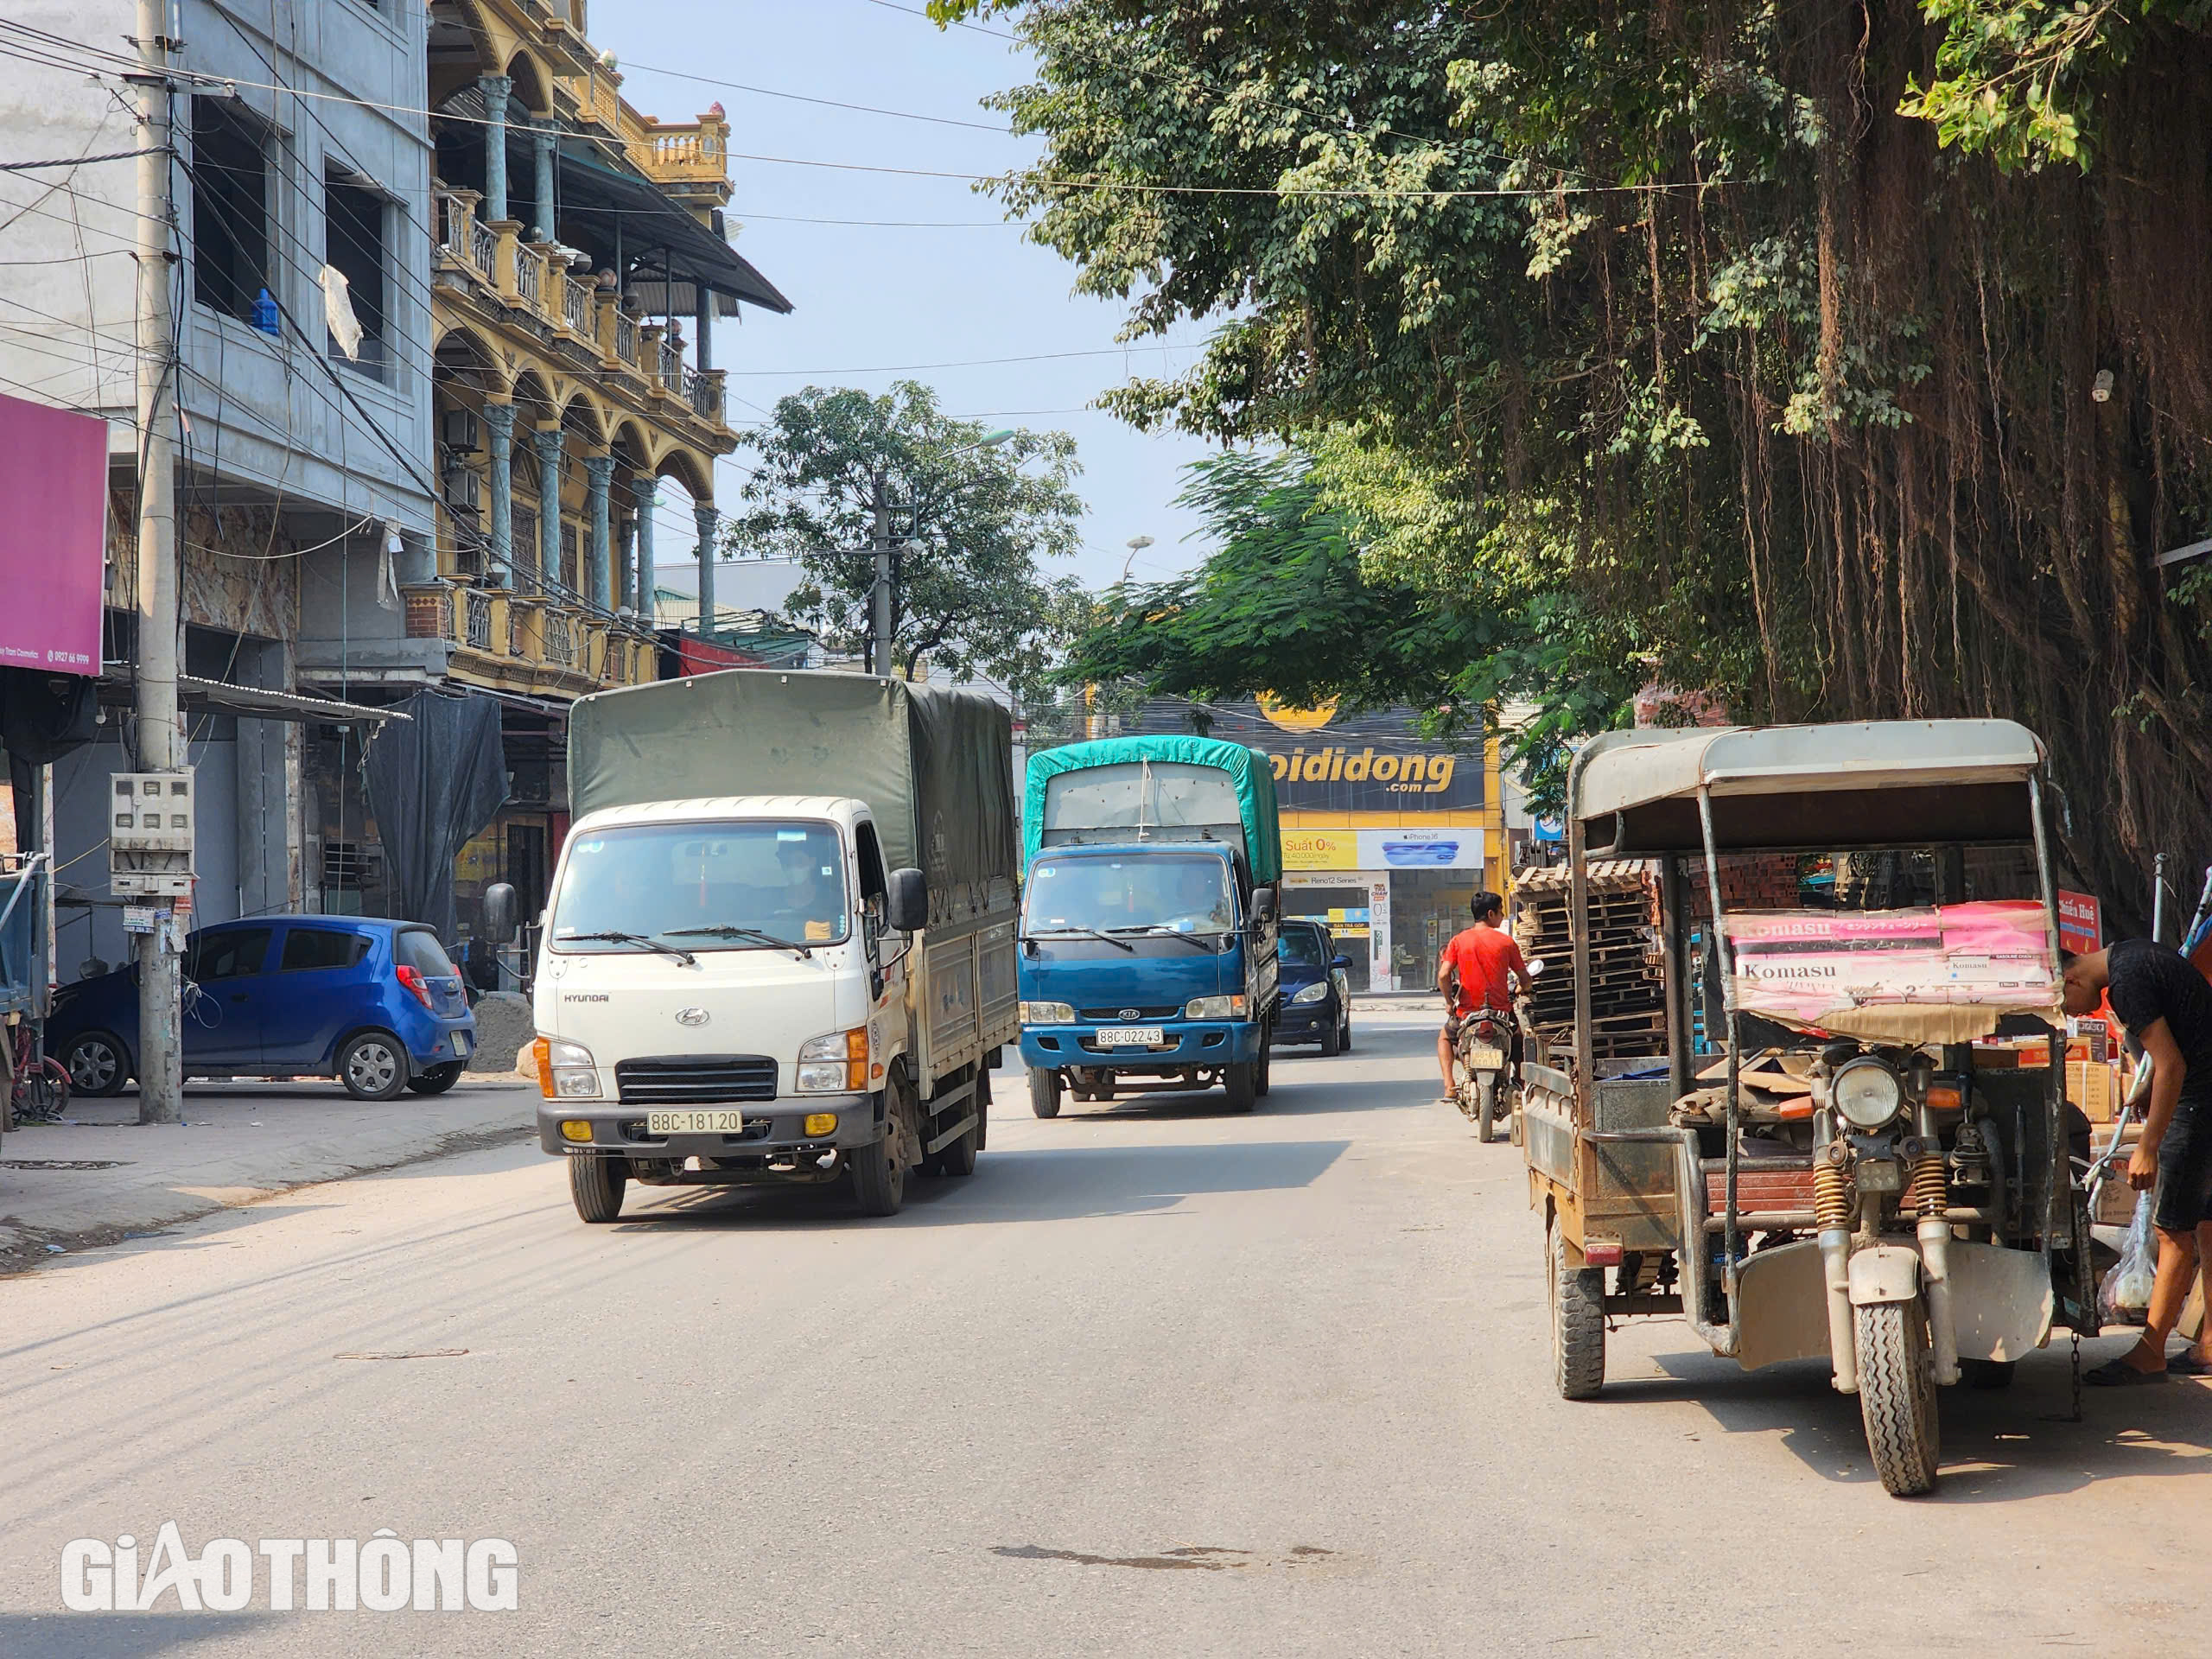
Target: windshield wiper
pixel 1203 941
pixel 615 935
pixel 1087 932
pixel 725 931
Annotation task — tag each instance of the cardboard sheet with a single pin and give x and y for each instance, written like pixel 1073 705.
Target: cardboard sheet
pixel 1945 974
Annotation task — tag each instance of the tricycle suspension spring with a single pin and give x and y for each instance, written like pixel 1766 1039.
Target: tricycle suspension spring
pixel 1931 1194
pixel 1831 1190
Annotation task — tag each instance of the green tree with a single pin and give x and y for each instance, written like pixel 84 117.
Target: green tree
pixel 971 527
pixel 1760 339
pixel 1294 602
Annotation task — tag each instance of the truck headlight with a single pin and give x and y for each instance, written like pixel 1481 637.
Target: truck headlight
pixel 1866 1092
pixel 1047 1014
pixel 1313 993
pixel 565 1070
pixel 1216 1007
pixel 834 1063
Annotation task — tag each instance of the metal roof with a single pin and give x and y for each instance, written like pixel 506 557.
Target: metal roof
pixel 1619 771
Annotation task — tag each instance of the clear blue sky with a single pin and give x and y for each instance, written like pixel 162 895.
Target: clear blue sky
pixel 871 296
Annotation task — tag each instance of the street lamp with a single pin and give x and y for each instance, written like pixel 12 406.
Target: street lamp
pixel 879 599
pixel 1136 545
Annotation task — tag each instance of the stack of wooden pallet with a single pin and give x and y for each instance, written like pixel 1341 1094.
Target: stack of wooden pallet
pixel 1627 995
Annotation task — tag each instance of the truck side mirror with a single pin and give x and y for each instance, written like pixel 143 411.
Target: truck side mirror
pixel 907 901
pixel 500 906
pixel 1263 905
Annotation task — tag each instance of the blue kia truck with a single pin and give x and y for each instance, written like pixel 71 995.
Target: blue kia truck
pixel 1152 869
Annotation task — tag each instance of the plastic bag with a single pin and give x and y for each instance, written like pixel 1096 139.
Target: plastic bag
pixel 2126 1291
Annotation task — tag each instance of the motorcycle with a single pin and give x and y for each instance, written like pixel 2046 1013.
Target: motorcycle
pixel 1484 1085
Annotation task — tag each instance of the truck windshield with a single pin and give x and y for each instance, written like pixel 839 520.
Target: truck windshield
pixel 708 885
pixel 1189 894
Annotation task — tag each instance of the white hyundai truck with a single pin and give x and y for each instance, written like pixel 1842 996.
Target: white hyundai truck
pixel 780 948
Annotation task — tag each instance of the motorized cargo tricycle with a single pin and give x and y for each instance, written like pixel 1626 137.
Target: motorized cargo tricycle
pixel 1865 1159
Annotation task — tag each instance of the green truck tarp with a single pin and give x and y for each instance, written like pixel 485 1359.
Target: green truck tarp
pixel 936 766
pixel 1250 773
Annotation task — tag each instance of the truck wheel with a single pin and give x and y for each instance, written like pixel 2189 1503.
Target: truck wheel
pixel 1897 1395
pixel 1043 1091
pixel 1577 1324
pixel 596 1183
pixel 1236 1081
pixel 878 1178
pixel 1263 1068
pixel 1486 1106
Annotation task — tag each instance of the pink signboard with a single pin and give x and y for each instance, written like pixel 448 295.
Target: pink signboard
pixel 52 536
pixel 1819 969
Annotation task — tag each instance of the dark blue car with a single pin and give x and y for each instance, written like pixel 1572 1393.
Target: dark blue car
pixel 377 1004
pixel 1315 999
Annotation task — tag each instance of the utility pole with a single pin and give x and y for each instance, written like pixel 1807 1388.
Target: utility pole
pixel 879 599
pixel 161 1080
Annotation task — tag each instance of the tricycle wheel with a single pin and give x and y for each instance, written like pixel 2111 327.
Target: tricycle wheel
pixel 1485 1105
pixel 1043 1091
pixel 595 1183
pixel 1897 1395
pixel 1577 1324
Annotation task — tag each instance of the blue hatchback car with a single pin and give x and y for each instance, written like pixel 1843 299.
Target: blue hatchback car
pixel 1316 1005
pixel 377 1004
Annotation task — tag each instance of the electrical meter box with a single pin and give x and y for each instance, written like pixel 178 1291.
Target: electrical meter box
pixel 149 834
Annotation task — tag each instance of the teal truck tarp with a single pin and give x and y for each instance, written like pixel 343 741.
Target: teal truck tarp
pixel 936 766
pixel 1120 794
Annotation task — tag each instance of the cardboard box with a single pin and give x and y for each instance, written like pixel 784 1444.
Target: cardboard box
pixel 2088 1040
pixel 2091 1086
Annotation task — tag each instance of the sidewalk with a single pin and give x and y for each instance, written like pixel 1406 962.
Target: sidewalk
pixel 88 1181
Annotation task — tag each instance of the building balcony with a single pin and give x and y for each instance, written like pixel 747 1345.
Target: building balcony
pixel 512 640
pixel 489 266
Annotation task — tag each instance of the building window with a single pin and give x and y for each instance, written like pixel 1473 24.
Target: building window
pixel 355 242
pixel 230 207
pixel 568 542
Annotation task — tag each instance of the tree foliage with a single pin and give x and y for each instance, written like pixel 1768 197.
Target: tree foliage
pixel 1763 335
pixel 970 528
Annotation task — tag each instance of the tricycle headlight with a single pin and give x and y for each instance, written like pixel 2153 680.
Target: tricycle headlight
pixel 1313 993
pixel 1866 1092
pixel 1215 1007
pixel 1047 1014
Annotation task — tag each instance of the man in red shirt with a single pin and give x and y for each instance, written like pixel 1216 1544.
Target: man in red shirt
pixel 1475 970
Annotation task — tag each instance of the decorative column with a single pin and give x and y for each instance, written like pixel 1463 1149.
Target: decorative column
pixel 703 513
pixel 644 495
pixel 499 426
pixel 548 442
pixel 497 89
pixel 625 568
pixel 598 585
pixel 542 135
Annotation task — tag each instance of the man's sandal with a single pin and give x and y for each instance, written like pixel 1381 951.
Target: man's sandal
pixel 2118 1374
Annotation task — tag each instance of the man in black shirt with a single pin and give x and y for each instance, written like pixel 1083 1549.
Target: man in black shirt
pixel 2167 1008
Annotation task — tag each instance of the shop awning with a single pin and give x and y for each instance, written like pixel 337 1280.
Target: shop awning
pixel 253 701
pixel 661 243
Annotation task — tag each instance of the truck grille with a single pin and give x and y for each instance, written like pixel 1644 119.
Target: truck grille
pixel 1123 1016
pixel 695 1079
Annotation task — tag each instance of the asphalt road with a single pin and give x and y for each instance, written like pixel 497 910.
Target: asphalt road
pixel 1153 1380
